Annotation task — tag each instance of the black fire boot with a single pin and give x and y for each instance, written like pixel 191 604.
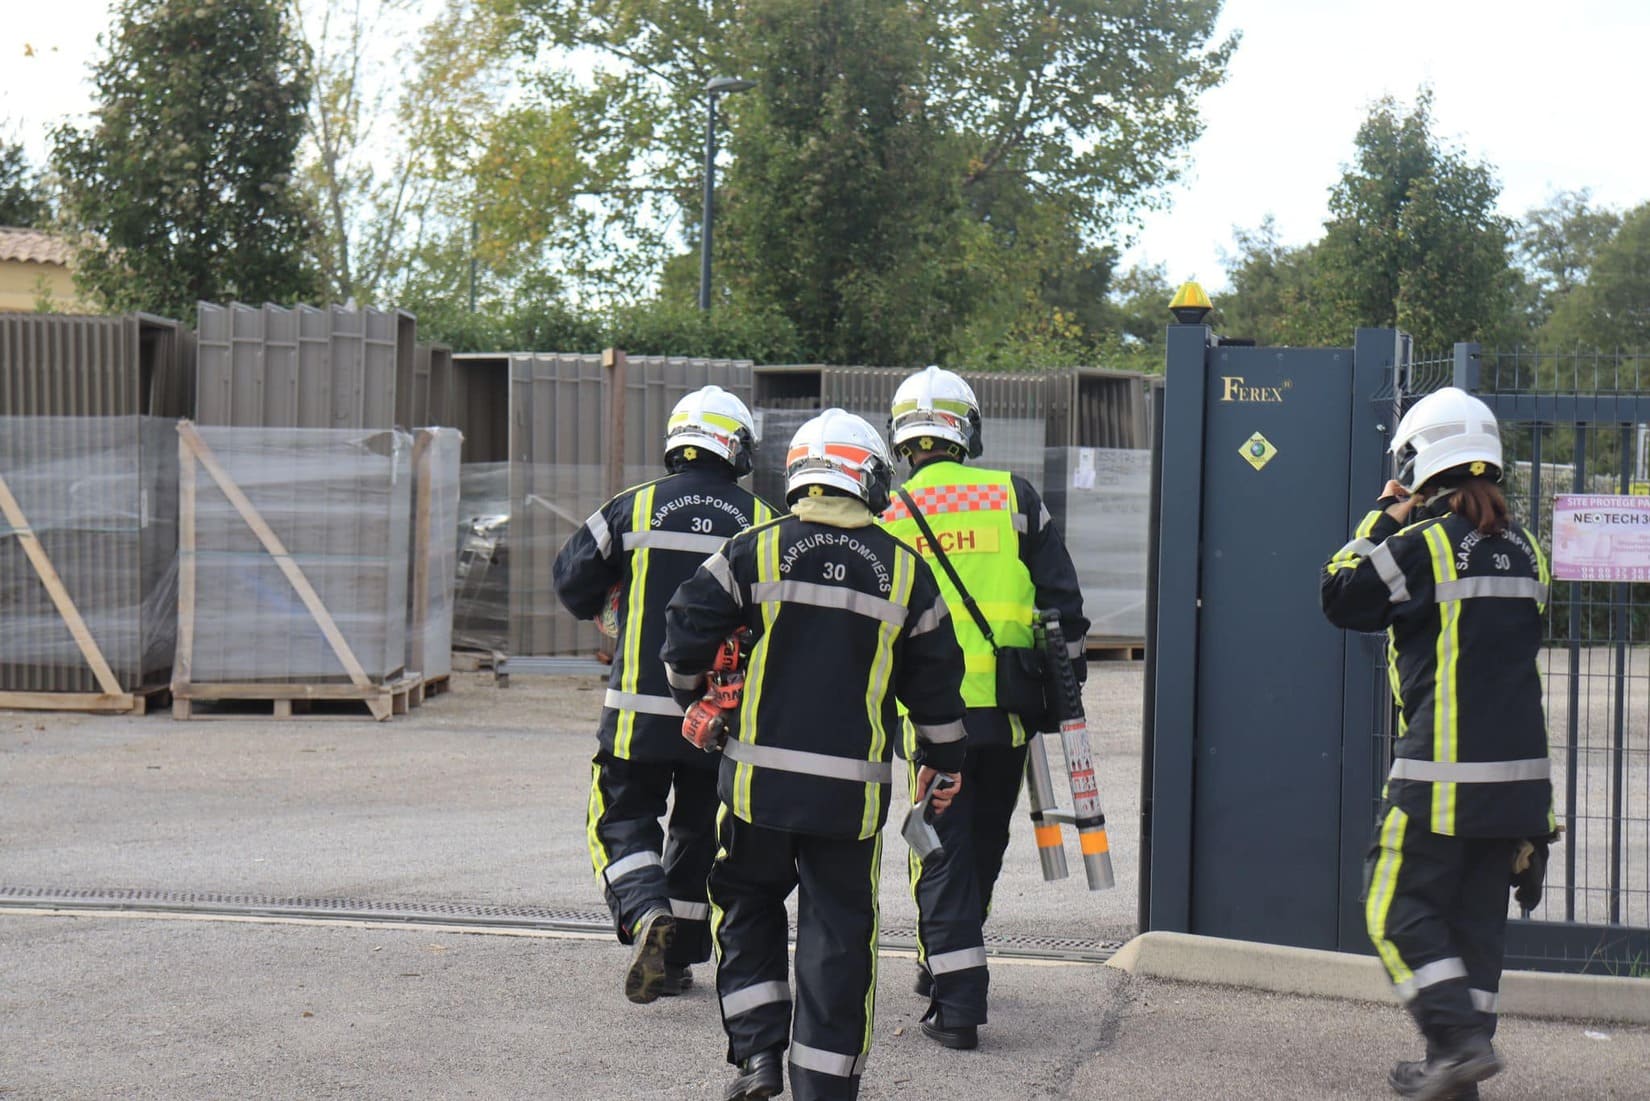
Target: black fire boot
pixel 760 1076
pixel 678 980
pixel 925 983
pixel 646 976
pixel 957 1037
pixel 1406 1078
pixel 1449 1072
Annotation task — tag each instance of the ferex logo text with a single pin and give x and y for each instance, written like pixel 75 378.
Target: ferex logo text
pixel 1235 388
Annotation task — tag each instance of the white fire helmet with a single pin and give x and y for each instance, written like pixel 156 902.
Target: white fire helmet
pixel 936 406
pixel 839 450
pixel 716 421
pixel 1444 430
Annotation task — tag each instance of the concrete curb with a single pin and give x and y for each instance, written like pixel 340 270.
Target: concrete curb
pixel 1183 957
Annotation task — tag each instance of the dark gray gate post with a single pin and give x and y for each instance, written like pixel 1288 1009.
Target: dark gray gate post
pixel 1260 801
pixel 1174 709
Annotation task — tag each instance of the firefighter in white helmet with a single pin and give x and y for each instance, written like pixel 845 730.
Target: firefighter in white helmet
pixel 999 538
pixel 847 620
pixel 1460 587
pixel 630 555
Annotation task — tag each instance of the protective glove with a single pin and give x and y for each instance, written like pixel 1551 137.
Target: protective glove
pixel 1529 869
pixel 705 725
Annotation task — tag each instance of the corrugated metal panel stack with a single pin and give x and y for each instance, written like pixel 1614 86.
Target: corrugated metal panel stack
pixel 88 525
pixel 561 467
pixel 1014 412
pixel 305 367
pixel 435 470
pixel 558 407
pixel 300 547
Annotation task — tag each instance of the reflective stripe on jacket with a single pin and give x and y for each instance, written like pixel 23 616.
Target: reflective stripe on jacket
pixel 1463 614
pixel 848 620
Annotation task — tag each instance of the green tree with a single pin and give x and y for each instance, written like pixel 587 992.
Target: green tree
pixel 994 145
pixel 182 187
pixel 1611 310
pixel 844 203
pixel 1557 245
pixel 1413 239
pixel 361 178
pixel 23 200
pixel 1272 293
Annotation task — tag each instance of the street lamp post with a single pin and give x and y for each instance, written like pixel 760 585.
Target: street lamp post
pixel 713 88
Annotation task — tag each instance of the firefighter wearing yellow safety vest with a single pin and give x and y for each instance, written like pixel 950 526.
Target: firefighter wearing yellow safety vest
pixel 846 621
pixel 998 536
pixel 628 559
pixel 1460 589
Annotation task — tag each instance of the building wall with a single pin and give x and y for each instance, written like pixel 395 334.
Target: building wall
pixel 20 286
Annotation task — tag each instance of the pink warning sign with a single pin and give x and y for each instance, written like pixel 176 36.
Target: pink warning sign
pixel 1597 537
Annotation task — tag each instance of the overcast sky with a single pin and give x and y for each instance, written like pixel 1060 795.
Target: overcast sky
pixel 1552 95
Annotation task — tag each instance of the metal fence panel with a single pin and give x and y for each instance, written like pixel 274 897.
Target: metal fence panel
pixel 70 365
pixel 1576 423
pixel 303 367
pixel 557 478
pixel 560 413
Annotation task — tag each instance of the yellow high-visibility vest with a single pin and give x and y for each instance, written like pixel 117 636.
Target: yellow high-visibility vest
pixel 976 519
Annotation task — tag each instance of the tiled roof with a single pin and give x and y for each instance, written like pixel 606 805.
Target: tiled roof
pixel 33 245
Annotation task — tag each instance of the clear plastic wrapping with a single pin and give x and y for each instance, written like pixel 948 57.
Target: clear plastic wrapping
pixel 548 503
pixel 100 495
pixel 340 502
pixel 481 593
pixel 1101 498
pixel 435 550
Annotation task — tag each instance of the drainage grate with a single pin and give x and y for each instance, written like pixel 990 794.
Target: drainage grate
pixel 478 916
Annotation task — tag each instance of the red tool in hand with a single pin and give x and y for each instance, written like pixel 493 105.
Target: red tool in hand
pixel 708 720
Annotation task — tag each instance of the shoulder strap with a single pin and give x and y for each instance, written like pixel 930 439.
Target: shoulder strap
pixel 950 570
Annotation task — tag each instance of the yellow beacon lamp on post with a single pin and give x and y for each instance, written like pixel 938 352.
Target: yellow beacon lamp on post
pixel 1190 305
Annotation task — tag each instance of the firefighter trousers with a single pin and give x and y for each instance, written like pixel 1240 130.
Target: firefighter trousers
pixel 641 867
pixel 953 888
pixel 836 951
pixel 1436 908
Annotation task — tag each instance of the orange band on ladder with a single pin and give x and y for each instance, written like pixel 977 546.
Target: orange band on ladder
pixel 1048 837
pixel 1093 842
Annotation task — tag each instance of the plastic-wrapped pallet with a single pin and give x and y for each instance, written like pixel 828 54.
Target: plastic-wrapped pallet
pixel 481 597
pixel 293 561
pixel 548 503
pixel 435 465
pixel 88 531
pixel 1106 509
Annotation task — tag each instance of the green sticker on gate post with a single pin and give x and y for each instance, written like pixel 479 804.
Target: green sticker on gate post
pixel 1257 450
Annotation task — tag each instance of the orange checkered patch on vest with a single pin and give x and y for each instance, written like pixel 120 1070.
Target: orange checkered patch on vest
pixel 935 500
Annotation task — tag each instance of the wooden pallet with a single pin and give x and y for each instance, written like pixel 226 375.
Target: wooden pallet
pixel 294 701
pixel 136 702
pixel 1115 649
pixel 476 661
pixel 432 686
